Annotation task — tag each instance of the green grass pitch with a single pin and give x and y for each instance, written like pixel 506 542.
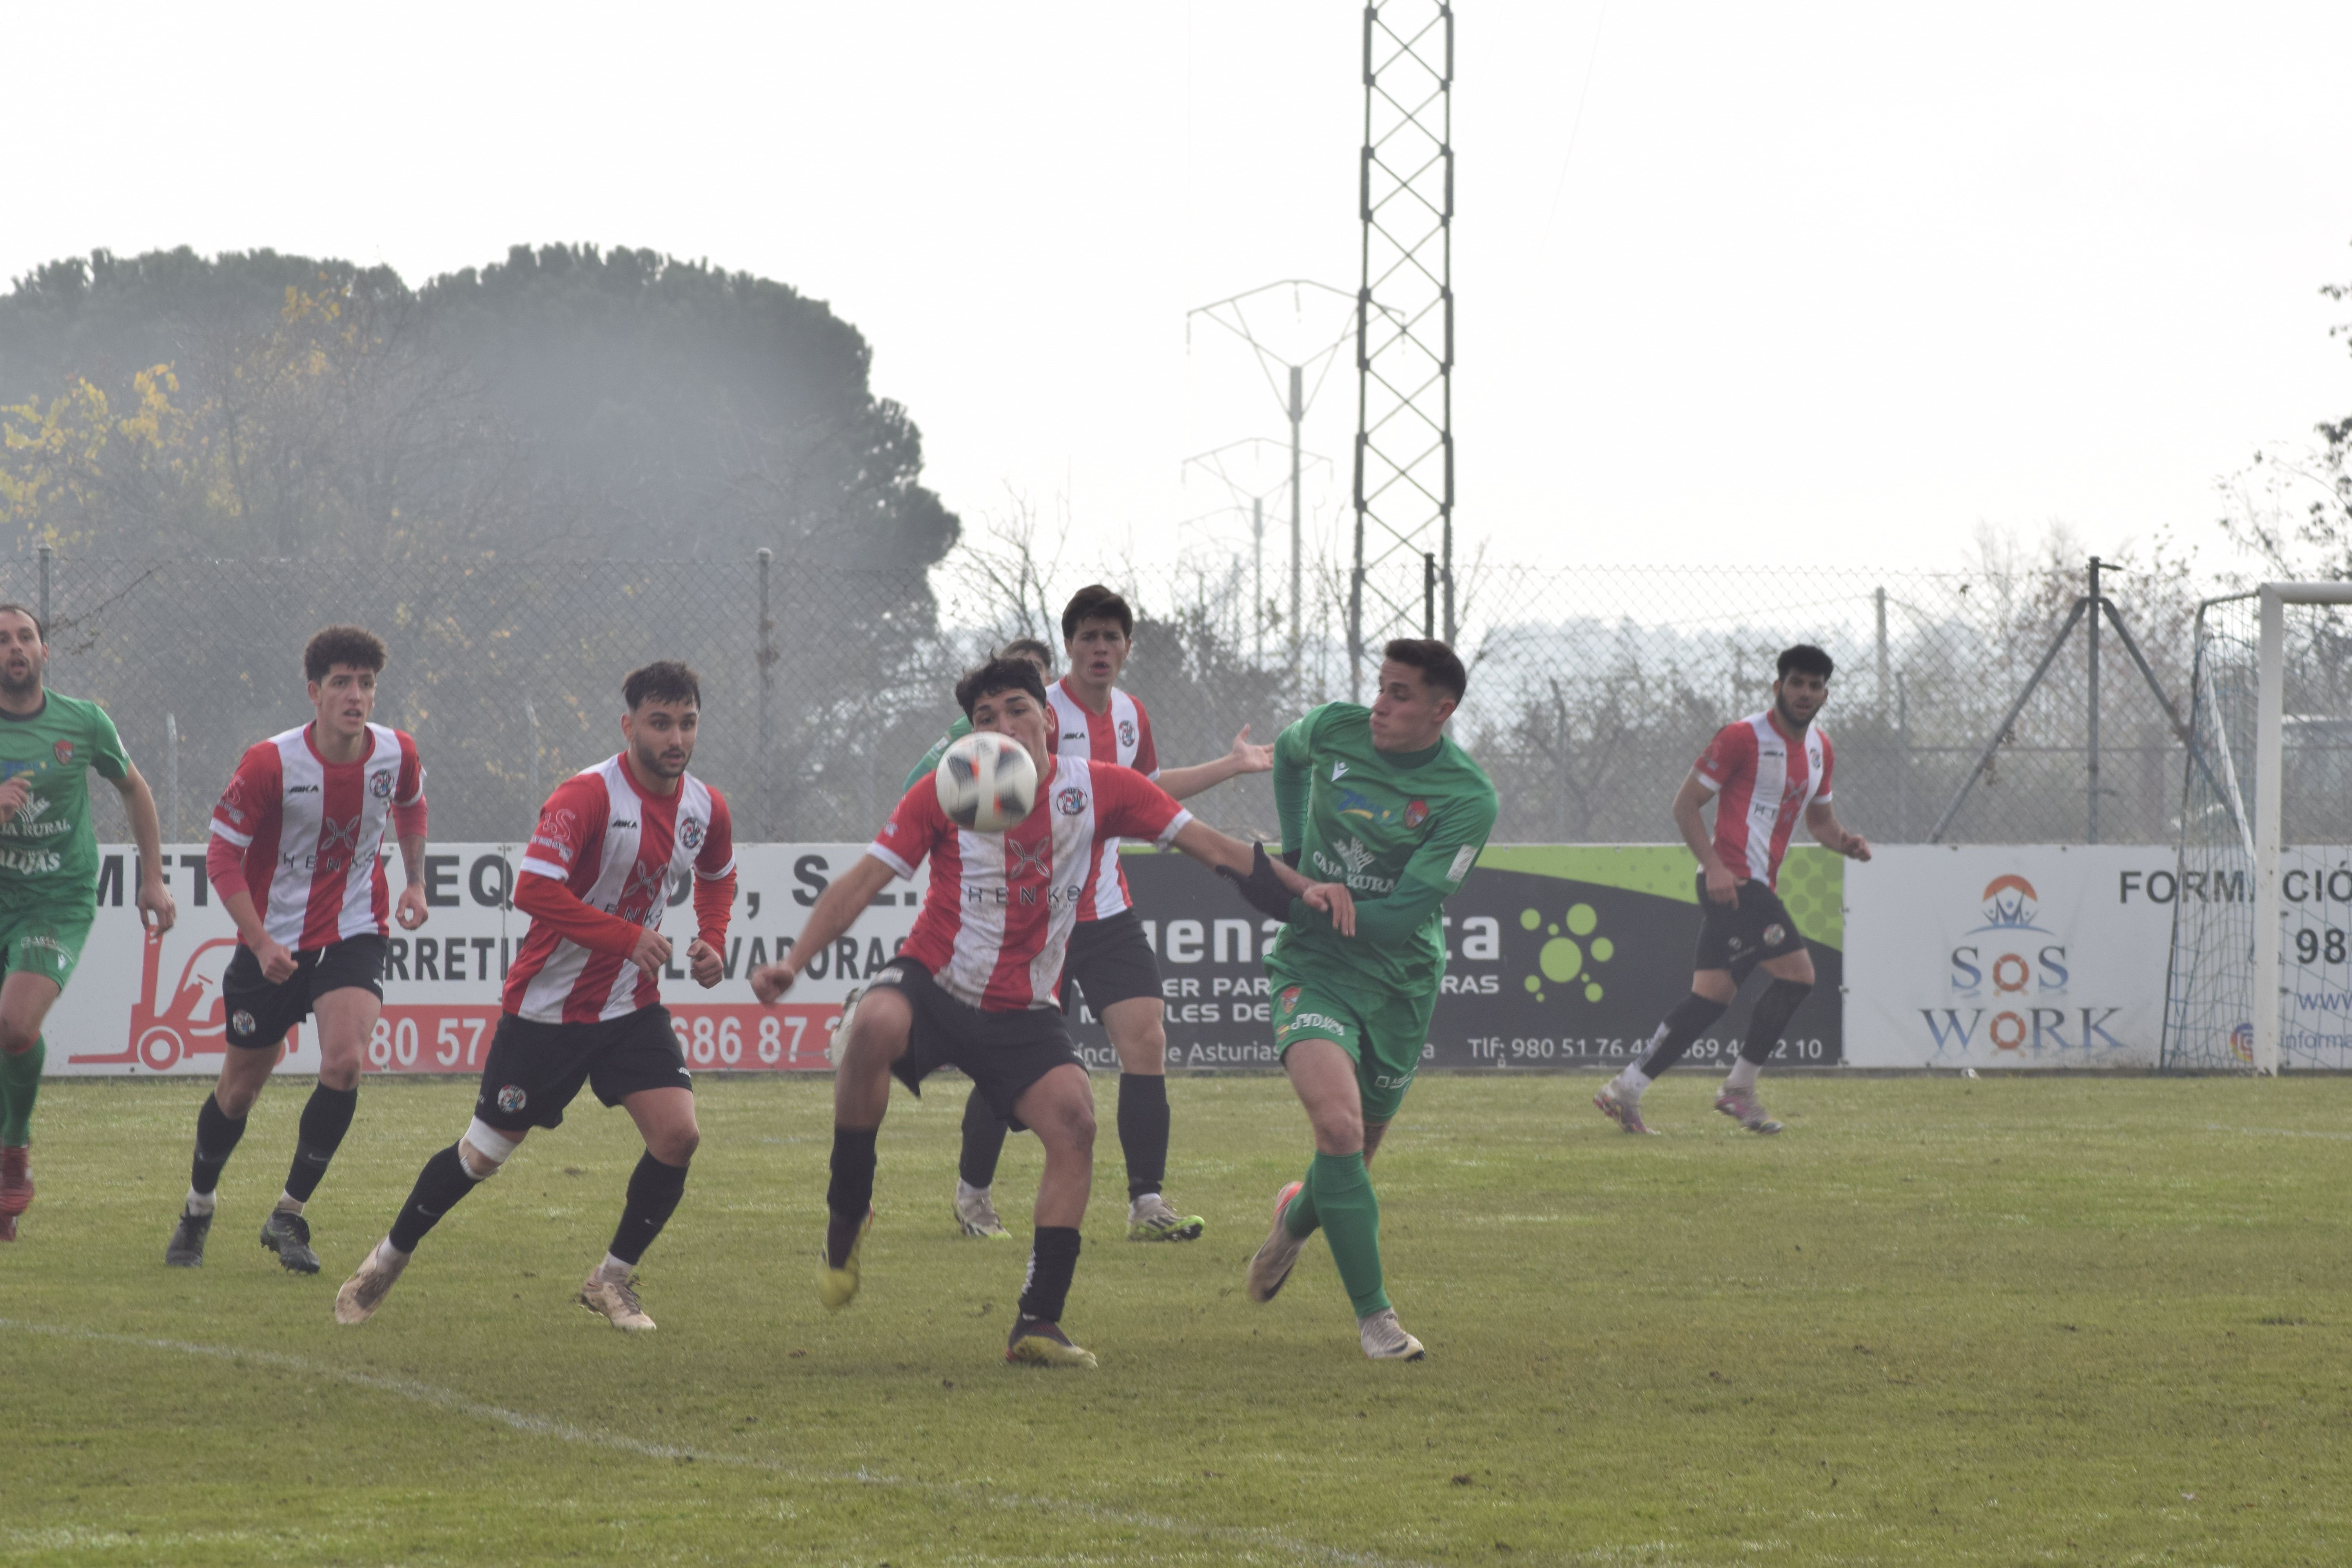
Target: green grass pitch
pixel 1988 1322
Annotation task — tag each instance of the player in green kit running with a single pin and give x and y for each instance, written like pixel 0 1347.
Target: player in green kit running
pixel 1381 800
pixel 48 870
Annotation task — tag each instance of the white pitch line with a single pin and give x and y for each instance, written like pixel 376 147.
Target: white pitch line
pixel 2279 1132
pixel 565 1431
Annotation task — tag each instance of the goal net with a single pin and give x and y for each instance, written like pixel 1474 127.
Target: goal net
pixel 2261 971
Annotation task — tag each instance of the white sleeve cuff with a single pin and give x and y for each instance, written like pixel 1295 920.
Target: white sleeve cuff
pixel 1175 825
pixel 890 857
pixel 242 840
pixel 535 867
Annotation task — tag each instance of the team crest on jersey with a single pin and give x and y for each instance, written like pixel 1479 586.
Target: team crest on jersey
pixel 1127 732
pixel 1775 933
pixel 1072 801
pixel 379 784
pixel 1416 812
pixel 1289 1001
pixel 240 1022
pixel 64 749
pixel 689 833
pixel 511 1098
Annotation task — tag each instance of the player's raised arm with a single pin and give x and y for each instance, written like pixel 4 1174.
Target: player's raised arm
pixel 1269 885
pixel 838 908
pixel 1293 756
pixel 1182 784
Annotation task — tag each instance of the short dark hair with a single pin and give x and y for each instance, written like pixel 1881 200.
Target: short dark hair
pixel 1095 603
pixel 664 680
pixel 1437 662
pixel 1807 659
pixel 26 611
pixel 1020 645
pixel 354 645
pixel 1000 675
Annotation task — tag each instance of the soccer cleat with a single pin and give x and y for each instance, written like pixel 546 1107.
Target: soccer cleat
pixel 1384 1338
pixel 1742 1106
pixel 1271 1264
pixel 1149 1218
pixel 289 1235
pixel 15 1180
pixel 1625 1111
pixel 617 1299
pixel 1036 1343
pixel 364 1291
pixel 187 1248
pixel 837 1287
pixel 975 1209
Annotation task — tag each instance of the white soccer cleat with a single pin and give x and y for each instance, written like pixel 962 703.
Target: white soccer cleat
pixel 1384 1338
pixel 1275 1256
pixel 364 1291
pixel 617 1299
pixel 838 1041
pixel 975 1209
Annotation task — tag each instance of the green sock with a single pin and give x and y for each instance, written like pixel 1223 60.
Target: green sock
pixel 1299 1217
pixel 1350 1216
pixel 20 1085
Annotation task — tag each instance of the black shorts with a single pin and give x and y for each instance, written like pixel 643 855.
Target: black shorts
pixel 1110 961
pixel 1740 936
pixel 1002 1052
pixel 259 1014
pixel 534 1069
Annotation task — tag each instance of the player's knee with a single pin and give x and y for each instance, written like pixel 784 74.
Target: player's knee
pixel 485 1148
pixel 340 1076
pixel 235 1100
pixel 14 1038
pixel 1338 1129
pixel 677 1145
pixel 877 1033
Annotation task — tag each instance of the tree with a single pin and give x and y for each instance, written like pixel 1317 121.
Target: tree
pixel 2292 506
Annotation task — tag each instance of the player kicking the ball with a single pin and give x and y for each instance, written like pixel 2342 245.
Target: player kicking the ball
pixel 1383 799
pixel 1110 959
pixel 49 745
pixel 582 1003
pixel 974 986
pixel 296 857
pixel 1764 771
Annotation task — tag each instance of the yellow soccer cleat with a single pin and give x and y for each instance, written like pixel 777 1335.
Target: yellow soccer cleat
pixel 837 1287
pixel 1036 1343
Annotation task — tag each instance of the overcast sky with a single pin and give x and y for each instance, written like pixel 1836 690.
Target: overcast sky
pixel 1736 283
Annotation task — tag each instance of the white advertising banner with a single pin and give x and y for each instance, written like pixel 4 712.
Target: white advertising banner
pixel 2028 956
pixel 140 1003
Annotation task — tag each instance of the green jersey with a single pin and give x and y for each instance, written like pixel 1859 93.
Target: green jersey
pixel 49 851
pixel 1400 829
pixel 930 762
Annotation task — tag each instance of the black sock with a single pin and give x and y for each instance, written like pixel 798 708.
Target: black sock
pixel 983 1141
pixel 217 1137
pixel 851 1192
pixel 325 1120
pixel 1773 1010
pixel 654 1190
pixel 1053 1259
pixel 439 1186
pixel 1143 1130
pixel 1689 1019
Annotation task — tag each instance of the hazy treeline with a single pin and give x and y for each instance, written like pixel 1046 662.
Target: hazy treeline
pixel 566 403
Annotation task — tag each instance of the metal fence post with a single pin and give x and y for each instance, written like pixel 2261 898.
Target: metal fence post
pixel 172 770
pixel 530 722
pixel 46 555
pixel 767 656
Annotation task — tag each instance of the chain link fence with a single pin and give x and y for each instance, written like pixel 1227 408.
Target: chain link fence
pixel 1591 690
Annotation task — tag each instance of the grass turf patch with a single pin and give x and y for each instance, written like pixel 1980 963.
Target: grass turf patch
pixel 1940 1321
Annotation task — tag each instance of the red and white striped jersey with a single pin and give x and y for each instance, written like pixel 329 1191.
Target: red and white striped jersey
pixel 624 852
pixel 312 833
pixel 1121 734
pixel 997 918
pixel 1762 781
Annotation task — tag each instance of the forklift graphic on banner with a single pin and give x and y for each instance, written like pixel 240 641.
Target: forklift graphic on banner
pixel 195 1024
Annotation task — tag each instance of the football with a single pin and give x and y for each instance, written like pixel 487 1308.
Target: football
pixel 986 782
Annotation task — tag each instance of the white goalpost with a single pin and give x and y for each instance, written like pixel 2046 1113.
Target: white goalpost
pixel 2228 987
pixel 2269 799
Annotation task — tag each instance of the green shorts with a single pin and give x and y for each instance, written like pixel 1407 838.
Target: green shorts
pixel 44 940
pixel 1383 1036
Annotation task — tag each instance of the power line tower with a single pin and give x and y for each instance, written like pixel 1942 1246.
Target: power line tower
pixel 1404 331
